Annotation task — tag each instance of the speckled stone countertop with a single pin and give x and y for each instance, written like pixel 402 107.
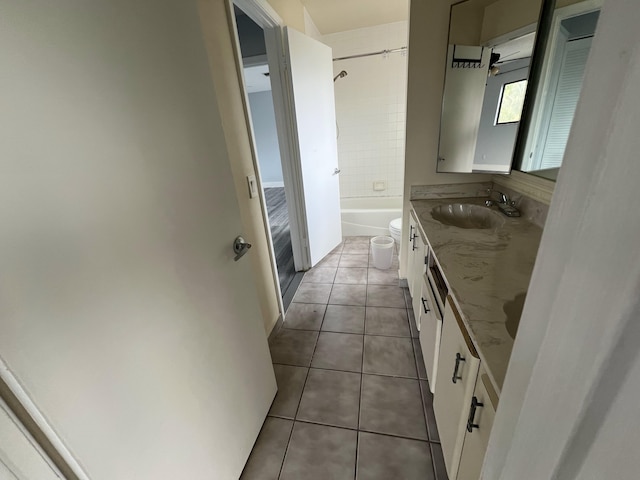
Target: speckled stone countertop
pixel 484 269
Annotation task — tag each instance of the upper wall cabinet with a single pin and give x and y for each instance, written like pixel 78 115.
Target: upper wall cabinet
pixel 491 43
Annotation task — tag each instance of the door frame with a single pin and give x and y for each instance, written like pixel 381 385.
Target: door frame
pixel 36 427
pixel 272 25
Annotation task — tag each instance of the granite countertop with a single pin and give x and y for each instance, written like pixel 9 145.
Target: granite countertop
pixel 484 269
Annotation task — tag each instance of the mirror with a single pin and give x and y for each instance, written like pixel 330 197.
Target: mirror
pixel 554 103
pixel 485 118
pixel 490 48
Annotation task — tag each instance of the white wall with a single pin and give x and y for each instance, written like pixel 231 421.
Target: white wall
pixel 119 315
pixel 370 109
pixel 266 135
pixel 310 27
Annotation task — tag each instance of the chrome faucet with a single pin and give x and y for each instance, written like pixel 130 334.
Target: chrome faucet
pixel 505 205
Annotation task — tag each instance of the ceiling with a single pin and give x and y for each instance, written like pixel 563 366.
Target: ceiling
pixel 517 48
pixel 331 16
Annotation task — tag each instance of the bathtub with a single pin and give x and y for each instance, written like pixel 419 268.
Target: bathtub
pixel 369 215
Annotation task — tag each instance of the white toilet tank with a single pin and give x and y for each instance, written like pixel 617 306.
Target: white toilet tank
pixel 395 229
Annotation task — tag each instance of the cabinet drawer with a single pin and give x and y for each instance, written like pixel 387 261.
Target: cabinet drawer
pixel 430 332
pixel 458 365
pixel 482 411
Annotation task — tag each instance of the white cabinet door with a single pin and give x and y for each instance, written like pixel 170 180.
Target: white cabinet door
pixel 482 411
pixel 311 81
pixel 416 265
pixel 430 332
pixel 458 364
pixel 419 249
pixel 413 231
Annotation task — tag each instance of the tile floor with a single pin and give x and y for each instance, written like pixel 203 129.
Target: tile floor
pixel 353 401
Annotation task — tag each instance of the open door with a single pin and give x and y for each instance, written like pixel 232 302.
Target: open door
pixel 311 88
pixel 124 318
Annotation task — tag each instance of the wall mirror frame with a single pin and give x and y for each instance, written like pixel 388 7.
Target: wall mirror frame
pixel 490 122
pixel 570 27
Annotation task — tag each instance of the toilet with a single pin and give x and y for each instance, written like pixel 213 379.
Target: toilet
pixel 395 229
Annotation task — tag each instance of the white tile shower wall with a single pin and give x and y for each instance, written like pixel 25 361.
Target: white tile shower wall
pixel 370 109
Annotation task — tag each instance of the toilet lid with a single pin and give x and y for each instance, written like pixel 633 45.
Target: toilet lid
pixel 396 224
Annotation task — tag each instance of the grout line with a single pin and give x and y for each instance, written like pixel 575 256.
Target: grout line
pixel 284 458
pixel 422 397
pixel 433 461
pixel 392 435
pixel 280 417
pixel 348 371
pixel 346 333
pixel 364 328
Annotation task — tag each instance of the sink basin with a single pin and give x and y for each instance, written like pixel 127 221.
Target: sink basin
pixel 513 309
pixel 464 215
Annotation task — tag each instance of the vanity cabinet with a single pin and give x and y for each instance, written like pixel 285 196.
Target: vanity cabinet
pixel 415 241
pixel 458 365
pixel 430 330
pixel 416 266
pixel 481 413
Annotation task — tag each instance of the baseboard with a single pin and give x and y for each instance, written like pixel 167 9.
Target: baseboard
pixel 272 184
pixel 276 328
pixel 403 283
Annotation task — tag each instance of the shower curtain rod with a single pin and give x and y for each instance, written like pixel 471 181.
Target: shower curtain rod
pixel 381 52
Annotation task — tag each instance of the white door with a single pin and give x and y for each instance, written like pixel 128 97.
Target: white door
pixel 564 102
pixel 462 108
pixel 123 313
pixel 311 80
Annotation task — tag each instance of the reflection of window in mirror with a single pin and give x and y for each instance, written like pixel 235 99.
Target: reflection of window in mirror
pixel 480 116
pixel 511 102
pixel 561 83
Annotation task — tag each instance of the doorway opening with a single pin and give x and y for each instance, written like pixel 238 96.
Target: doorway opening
pixel 287 81
pixel 258 89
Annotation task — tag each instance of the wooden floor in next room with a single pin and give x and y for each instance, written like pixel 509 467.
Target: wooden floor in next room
pixel 353 401
pixel 281 237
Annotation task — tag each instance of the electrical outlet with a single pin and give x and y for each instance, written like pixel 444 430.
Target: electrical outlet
pixel 379 186
pixel 253 186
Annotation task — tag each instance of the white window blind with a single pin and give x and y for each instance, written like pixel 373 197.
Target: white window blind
pixel 565 101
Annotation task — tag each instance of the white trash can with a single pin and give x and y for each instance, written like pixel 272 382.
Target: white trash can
pixel 382 249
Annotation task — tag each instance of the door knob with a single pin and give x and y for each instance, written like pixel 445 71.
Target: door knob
pixel 240 247
pixel 336 171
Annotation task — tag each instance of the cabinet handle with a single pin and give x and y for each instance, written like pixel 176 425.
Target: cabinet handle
pixel 410 233
pixel 413 242
pixel 425 305
pixel 472 414
pixel 455 378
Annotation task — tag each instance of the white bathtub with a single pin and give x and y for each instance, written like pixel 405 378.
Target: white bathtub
pixel 369 215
